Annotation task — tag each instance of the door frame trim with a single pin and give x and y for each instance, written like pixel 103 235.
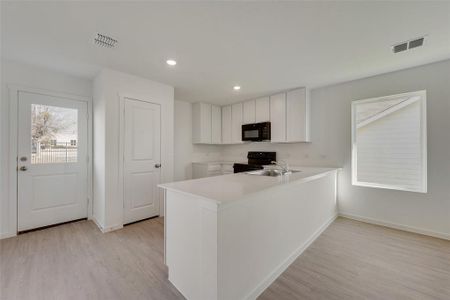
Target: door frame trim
pixel 13 92
pixel 121 188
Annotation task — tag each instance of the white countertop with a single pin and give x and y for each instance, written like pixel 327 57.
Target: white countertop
pixel 228 188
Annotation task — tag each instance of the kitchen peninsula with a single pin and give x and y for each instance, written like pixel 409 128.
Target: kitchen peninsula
pixel 231 236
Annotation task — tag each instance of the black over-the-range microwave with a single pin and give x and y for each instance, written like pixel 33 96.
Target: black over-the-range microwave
pixel 256 132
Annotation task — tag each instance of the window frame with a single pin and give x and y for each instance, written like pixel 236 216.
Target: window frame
pixel 423 132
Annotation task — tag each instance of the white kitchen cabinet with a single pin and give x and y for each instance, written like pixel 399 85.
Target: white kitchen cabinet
pixel 297 116
pixel 209 169
pixel 226 124
pixel 201 170
pixel 227 168
pixel 236 123
pixel 278 118
pixel 216 125
pixel 288 112
pixel 248 116
pixel 201 123
pixel 262 110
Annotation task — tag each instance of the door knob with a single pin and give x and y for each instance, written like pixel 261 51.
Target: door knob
pixel 157 166
pixel 23 168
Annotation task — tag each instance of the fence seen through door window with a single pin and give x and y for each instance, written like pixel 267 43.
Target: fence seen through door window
pixel 54 153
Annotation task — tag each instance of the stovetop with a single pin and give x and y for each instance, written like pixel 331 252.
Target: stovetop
pixel 256 161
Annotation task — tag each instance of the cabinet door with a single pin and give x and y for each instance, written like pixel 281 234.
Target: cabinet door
pixel 278 117
pixel 216 125
pixel 199 170
pixel 201 123
pixel 226 124
pixel 236 123
pixel 297 116
pixel 262 110
pixel 249 112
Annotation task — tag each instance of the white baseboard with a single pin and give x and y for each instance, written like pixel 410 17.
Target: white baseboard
pixel 112 228
pixel 440 235
pixel 285 264
pixel 7 235
pixel 106 229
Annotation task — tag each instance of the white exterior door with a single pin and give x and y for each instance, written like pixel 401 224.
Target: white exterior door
pixel 52 160
pixel 142 158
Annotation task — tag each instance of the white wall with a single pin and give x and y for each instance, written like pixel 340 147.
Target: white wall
pixel 109 86
pixel 15 73
pixel 185 151
pixel 331 145
pixel 429 213
pixel 99 149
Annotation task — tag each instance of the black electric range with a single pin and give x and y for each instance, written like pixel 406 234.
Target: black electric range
pixel 256 161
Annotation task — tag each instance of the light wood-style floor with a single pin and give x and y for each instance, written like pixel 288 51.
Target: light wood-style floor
pixel 77 261
pixel 355 260
pixel 350 260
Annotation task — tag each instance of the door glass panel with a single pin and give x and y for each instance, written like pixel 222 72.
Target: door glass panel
pixel 251 133
pixel 54 134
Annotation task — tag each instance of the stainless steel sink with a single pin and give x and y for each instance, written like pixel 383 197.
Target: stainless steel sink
pixel 272 172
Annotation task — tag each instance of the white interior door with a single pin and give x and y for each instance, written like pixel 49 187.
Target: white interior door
pixel 142 159
pixel 52 160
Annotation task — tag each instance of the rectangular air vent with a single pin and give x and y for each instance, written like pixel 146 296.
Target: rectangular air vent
pixel 403 46
pixel 415 43
pixel 400 47
pixel 105 41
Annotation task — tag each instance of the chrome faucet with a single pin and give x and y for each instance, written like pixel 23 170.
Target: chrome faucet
pixel 283 166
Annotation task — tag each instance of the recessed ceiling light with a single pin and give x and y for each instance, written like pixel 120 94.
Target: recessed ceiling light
pixel 171 62
pixel 236 88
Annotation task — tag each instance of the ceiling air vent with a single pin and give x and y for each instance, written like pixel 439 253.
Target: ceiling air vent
pixel 403 46
pixel 400 47
pixel 105 41
pixel 415 43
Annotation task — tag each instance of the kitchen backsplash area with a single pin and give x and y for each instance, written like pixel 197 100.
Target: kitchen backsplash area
pixel 301 154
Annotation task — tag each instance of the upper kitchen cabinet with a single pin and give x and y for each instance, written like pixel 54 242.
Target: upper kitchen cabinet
pixel 236 123
pixel 297 115
pixel 206 124
pixel 278 118
pixel 288 113
pixel 226 124
pixel 201 123
pixel 262 110
pixel 249 112
pixel 216 124
pixel 289 116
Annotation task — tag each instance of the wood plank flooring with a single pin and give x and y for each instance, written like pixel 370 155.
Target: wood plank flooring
pixel 350 260
pixel 355 260
pixel 77 261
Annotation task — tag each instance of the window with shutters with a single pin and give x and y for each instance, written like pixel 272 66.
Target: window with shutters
pixel 389 142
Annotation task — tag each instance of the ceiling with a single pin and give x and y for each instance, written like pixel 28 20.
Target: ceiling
pixel 262 46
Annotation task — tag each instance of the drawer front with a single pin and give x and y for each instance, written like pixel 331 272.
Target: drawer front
pixel 214 167
pixel 214 173
pixel 227 168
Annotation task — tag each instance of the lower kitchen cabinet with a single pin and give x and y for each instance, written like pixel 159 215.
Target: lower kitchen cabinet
pixel 209 169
